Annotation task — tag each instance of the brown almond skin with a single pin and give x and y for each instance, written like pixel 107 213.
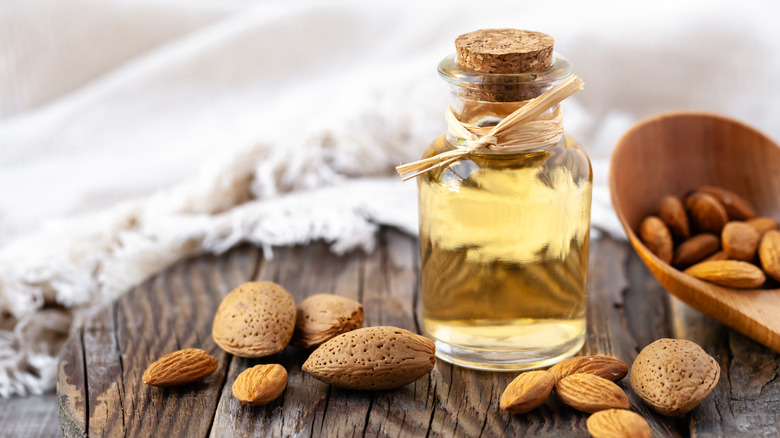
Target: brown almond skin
pixel 763 224
pixel 180 367
pixel 591 393
pixel 769 253
pixel 695 249
pixel 256 319
pixel 606 367
pixel 372 358
pixel 618 423
pixel 736 206
pixel 720 255
pixel 673 375
pixel 322 317
pixel 728 273
pixel 706 212
pixel 527 392
pixel 656 236
pixel 740 241
pixel 672 212
pixel 260 384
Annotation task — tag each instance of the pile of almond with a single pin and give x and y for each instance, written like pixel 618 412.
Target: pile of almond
pixel 259 319
pixel 716 236
pixel 672 376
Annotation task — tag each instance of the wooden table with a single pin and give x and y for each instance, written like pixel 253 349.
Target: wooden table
pixel 100 375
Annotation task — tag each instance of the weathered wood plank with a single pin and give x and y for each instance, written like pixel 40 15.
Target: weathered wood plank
pixel 72 388
pixel 746 401
pixel 34 416
pixel 627 310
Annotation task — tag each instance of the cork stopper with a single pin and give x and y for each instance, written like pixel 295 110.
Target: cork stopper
pixel 505 51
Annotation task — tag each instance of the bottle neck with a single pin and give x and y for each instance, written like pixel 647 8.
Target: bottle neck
pixel 484 99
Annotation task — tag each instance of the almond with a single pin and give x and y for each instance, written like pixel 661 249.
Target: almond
pixel 673 375
pixel 672 212
pixel 695 249
pixel 729 273
pixel 720 255
pixel 180 367
pixel 740 241
pixel 605 367
pixel 590 393
pixel 706 212
pixel 763 224
pixel 527 391
pixel 322 317
pixel 255 319
pixel 657 238
pixel 769 253
pixel 260 384
pixel 372 358
pixel 618 423
pixel 736 206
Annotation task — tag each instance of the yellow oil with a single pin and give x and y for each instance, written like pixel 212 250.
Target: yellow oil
pixel 504 255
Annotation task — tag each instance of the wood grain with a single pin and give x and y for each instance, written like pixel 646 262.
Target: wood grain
pixel 675 153
pixel 627 310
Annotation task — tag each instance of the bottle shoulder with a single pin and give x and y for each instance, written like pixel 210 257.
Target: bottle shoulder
pixel 566 156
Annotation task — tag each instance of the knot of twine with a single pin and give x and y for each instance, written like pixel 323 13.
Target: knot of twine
pixel 526 128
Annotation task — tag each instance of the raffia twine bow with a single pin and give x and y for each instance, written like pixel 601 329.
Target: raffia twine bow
pixel 529 127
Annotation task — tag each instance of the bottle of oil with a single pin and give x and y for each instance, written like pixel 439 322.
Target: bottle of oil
pixel 504 233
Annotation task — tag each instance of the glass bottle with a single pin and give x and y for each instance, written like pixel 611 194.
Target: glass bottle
pixel 504 235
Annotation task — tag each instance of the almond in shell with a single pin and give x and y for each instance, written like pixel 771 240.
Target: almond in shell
pixel 673 375
pixel 607 367
pixel 706 212
pixel 672 212
pixel 260 384
pixel 527 391
pixel 737 207
pixel 372 358
pixel 695 249
pixel 322 317
pixel 180 367
pixel 740 241
pixel 591 393
pixel 769 253
pixel 618 423
pixel 729 273
pixel 656 236
pixel 255 319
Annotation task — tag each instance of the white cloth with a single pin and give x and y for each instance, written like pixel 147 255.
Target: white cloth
pixel 134 133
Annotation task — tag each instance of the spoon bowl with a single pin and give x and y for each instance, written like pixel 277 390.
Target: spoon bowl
pixel 674 153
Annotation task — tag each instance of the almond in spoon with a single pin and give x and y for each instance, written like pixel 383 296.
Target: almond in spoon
pixel 657 238
pixel 695 249
pixel 729 273
pixel 706 212
pixel 672 212
pixel 740 241
pixel 769 253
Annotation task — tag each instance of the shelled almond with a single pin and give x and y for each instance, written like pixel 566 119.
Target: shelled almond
pixel 716 236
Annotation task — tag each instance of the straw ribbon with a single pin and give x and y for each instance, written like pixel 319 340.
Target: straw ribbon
pixel 526 128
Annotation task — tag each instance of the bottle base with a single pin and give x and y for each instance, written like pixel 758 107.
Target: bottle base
pixel 508 360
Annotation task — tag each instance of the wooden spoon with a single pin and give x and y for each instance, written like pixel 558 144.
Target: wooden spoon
pixel 673 154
